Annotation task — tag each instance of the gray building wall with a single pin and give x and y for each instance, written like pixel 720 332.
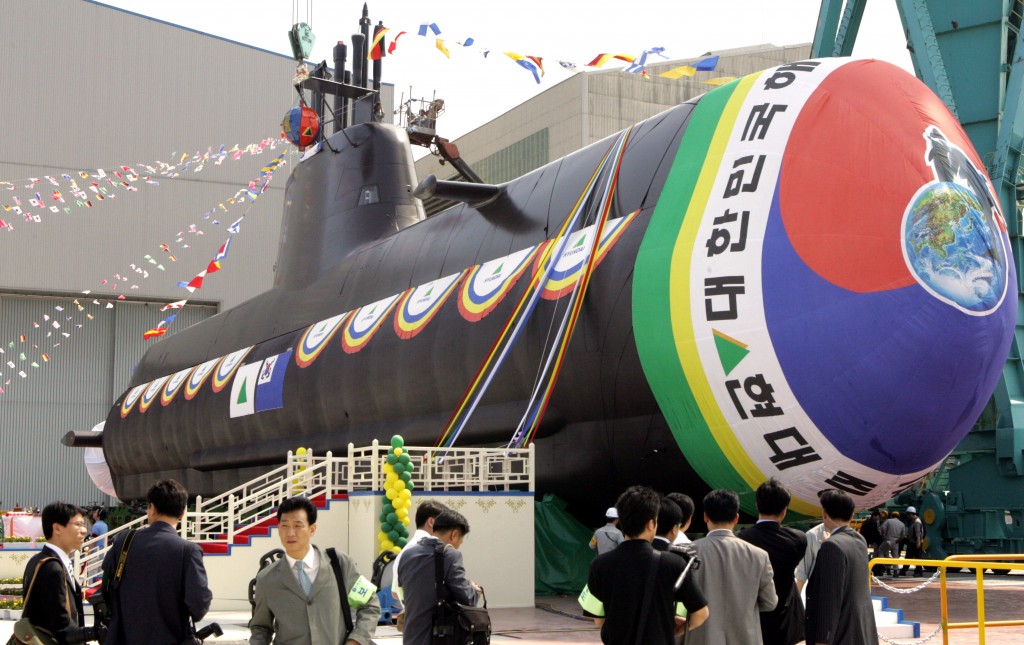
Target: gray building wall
pixel 588 107
pixel 86 86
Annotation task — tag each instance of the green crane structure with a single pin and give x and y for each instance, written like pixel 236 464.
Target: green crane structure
pixel 971 54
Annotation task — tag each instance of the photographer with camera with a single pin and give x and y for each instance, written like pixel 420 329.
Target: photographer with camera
pixel 53 597
pixel 154 582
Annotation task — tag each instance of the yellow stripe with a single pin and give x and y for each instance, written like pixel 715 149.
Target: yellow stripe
pixel 679 294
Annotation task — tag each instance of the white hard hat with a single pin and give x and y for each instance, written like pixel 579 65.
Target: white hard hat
pixel 911 509
pixel 611 513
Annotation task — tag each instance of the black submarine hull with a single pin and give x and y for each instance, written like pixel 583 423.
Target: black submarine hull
pixel 683 372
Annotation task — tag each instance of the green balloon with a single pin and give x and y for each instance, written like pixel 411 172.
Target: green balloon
pixel 399 467
pixel 393 536
pixel 410 467
pixel 392 519
pixel 406 477
pixel 402 542
pixel 388 507
pixel 392 459
pixel 384 517
pixel 404 458
pixel 397 441
pixel 385 527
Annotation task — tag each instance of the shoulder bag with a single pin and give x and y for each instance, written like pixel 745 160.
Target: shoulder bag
pixel 455 623
pixel 346 611
pixel 25 633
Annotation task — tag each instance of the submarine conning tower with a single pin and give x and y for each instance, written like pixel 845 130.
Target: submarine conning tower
pixel 356 190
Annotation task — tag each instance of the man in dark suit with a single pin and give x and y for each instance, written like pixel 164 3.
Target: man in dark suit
pixel 163 582
pixel 55 603
pixel 783 625
pixel 839 610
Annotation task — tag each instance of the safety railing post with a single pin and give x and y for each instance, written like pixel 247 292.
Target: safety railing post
pixel 980 574
pixel 375 467
pixel 230 520
pixel 943 604
pixel 530 467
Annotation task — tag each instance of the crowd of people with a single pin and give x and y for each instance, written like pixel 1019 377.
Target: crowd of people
pixel 650 585
pixel 155 586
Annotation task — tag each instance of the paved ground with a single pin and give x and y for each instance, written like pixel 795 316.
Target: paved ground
pixel 558 620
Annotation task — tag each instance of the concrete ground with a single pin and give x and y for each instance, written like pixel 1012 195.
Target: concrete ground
pixel 558 619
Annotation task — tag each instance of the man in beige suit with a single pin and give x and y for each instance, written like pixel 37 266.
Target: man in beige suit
pixel 736 577
pixel 297 599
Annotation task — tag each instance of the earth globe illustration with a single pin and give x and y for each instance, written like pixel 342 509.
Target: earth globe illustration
pixel 954 247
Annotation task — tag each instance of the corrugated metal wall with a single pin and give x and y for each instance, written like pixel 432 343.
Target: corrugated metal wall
pixel 72 390
pixel 86 86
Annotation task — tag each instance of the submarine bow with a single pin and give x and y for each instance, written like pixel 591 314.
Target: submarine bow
pixel 804 274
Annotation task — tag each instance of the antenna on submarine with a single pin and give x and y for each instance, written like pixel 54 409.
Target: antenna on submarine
pixel 355 96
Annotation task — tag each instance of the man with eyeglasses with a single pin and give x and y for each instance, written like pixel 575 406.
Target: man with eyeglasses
pixel 55 601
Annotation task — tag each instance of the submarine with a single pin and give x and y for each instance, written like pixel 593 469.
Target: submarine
pixel 802 274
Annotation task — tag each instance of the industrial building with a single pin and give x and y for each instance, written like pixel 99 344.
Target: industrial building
pixel 88 87
pixel 587 107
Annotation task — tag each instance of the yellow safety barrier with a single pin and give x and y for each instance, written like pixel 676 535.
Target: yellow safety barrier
pixel 976 562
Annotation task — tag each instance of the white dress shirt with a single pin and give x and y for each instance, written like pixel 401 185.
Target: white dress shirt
pixel 312 561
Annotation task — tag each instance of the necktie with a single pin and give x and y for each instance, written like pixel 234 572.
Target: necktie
pixel 304 581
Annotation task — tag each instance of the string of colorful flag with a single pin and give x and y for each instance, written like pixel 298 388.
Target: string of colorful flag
pixel 535 64
pixel 60 327
pixel 196 283
pixel 32 197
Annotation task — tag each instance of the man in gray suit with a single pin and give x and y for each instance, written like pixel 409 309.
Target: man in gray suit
pixel 736 577
pixel 418 573
pixel 297 597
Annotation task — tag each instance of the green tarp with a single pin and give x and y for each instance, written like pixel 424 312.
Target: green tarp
pixel 562 551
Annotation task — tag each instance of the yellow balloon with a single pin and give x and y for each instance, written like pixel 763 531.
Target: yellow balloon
pixel 388 468
pixel 382 536
pixel 396 549
pixel 397 504
pixel 390 493
pixel 398 452
pixel 387 545
pixel 405 494
pixel 399 485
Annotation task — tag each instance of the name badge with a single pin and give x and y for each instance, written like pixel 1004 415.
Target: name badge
pixel 590 603
pixel 361 593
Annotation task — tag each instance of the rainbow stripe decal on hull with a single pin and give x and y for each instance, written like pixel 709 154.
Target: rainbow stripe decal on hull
pixel 365 322
pixel 418 306
pixel 488 283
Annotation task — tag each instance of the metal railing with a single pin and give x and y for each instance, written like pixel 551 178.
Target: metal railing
pixel 976 562
pixel 220 519
pixel 447 469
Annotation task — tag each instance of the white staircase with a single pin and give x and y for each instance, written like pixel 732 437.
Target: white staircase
pixel 890 621
pixel 236 516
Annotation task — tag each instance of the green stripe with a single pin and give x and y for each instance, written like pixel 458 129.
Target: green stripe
pixel 652 316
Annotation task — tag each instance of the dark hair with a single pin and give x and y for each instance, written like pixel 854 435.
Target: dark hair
pixel 428 509
pixel 837 504
pixel 169 497
pixel 101 513
pixel 58 513
pixel 772 497
pixel 298 503
pixel 721 505
pixel 450 520
pixel 685 504
pixel 669 516
pixel 637 506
